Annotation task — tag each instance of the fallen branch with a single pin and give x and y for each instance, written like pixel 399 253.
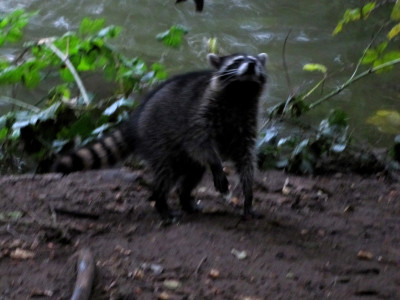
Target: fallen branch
pixel 85 275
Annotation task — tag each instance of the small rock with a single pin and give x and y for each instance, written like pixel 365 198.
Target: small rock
pixel 138 274
pixel 163 296
pixel 172 284
pixel 234 201
pixel 366 255
pixel 304 231
pixel 214 273
pixel 157 269
pixel 21 254
pixel 286 190
pixel 240 255
pixel 290 275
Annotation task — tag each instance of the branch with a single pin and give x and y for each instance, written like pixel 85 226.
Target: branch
pixel 366 49
pixel 20 103
pixel 71 68
pixel 354 79
pixel 285 67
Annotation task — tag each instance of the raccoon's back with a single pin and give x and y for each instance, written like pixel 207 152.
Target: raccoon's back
pixel 155 130
pixel 166 116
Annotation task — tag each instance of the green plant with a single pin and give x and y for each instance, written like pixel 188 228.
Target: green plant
pixel 68 116
pixel 301 154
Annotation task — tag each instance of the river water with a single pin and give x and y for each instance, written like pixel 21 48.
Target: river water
pixel 251 26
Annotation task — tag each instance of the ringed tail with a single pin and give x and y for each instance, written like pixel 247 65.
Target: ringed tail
pixel 104 152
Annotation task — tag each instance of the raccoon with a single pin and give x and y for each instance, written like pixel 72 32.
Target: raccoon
pixel 187 124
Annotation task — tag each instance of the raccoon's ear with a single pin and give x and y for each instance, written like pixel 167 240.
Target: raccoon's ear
pixel 262 57
pixel 214 60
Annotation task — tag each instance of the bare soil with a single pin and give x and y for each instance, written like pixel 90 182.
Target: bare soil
pixel 334 236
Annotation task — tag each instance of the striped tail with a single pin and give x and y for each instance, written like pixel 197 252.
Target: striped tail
pixel 102 153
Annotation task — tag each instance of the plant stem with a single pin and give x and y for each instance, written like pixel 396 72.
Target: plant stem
pixel 71 68
pixel 20 103
pixel 354 79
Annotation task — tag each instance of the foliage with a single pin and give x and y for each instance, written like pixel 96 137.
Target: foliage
pixel 11 26
pixel 69 116
pixel 173 37
pixel 300 154
pixel 387 121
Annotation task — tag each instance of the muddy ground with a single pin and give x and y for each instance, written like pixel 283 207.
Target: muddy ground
pixel 321 237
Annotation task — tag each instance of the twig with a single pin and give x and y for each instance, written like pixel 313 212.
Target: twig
pixel 365 51
pixel 19 103
pixel 196 272
pixel 285 67
pixel 354 79
pixel 71 68
pixel 85 276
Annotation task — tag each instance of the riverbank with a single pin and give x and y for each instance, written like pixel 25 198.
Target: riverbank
pixel 321 237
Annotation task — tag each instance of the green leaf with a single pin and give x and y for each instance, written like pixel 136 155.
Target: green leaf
pixel 3 133
pixel 87 62
pixel 212 45
pixel 117 104
pixel 14 35
pixel 390 56
pixel 300 147
pixel 25 119
pixel 315 67
pixel 82 127
pixel 393 32
pixel 89 26
pixel 31 78
pixel 381 47
pixel 159 70
pixel 352 15
pixel 387 121
pixel 367 9
pixel 395 15
pixel 370 56
pixel 173 37
pixel 66 75
pixel 109 32
pixel 337 117
pixel 338 28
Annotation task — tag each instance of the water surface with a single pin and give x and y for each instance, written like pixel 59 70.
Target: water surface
pixel 251 26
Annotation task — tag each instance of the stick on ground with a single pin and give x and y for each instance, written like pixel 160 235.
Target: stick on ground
pixel 85 275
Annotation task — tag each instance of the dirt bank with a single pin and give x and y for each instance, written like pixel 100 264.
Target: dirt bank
pixel 322 237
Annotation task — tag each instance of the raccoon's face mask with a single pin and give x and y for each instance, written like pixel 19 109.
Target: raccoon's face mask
pixel 239 67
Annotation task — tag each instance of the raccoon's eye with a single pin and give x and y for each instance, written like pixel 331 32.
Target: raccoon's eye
pixel 236 63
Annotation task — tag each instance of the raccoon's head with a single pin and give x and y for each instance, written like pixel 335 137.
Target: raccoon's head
pixel 238 67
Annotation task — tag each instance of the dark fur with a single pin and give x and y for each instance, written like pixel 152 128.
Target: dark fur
pixel 182 127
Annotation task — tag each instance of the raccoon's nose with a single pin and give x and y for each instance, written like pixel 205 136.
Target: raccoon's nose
pixel 251 67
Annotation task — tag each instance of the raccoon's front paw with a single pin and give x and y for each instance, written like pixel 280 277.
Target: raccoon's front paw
pixel 221 183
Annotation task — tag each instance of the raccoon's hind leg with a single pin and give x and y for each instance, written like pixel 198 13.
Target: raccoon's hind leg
pixel 161 187
pixel 193 174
